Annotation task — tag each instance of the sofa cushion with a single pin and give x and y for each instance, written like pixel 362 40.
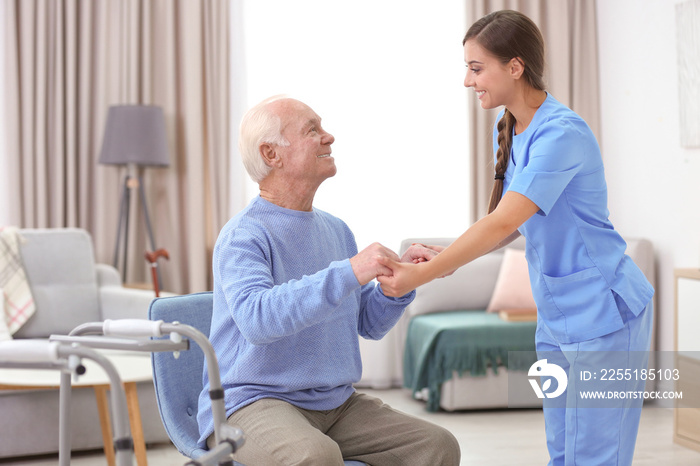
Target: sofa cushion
pixel 469 288
pixel 60 268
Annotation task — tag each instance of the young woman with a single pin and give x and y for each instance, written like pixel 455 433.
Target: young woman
pixel 592 300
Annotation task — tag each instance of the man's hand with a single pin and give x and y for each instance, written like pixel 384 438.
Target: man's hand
pixel 366 264
pixel 420 253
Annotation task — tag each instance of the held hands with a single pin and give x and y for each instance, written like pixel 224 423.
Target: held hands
pixel 406 275
pixel 396 275
pixel 377 261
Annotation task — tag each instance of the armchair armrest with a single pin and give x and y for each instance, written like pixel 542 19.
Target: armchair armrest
pixel 107 275
pixel 117 302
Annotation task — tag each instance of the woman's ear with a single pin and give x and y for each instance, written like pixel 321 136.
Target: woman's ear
pixel 270 155
pixel 517 67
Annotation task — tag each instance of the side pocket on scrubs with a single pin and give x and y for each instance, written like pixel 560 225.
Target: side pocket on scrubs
pixel 584 298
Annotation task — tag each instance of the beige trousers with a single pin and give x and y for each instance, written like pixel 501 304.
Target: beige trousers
pixel 363 428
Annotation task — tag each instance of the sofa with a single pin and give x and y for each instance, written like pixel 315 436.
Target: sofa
pixel 463 297
pixel 68 289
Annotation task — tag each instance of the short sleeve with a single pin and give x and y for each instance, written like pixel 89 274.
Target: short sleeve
pixel 555 156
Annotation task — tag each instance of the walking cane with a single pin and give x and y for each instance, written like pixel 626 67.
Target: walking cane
pixel 152 258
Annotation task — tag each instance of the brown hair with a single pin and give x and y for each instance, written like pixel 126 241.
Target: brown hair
pixel 509 34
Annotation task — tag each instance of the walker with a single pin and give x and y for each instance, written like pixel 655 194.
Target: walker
pixel 45 354
pixel 133 335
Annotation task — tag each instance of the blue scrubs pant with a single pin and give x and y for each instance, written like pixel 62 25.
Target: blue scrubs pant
pixel 578 435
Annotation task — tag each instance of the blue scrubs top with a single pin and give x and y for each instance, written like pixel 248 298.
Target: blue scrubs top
pixel 576 259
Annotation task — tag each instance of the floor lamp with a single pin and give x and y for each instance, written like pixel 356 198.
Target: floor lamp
pixel 134 136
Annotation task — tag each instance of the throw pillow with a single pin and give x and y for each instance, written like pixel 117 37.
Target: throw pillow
pixel 512 292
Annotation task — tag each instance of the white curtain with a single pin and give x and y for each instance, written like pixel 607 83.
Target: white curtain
pixel 67 62
pixel 5 203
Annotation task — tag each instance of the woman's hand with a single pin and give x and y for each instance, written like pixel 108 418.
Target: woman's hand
pixel 403 279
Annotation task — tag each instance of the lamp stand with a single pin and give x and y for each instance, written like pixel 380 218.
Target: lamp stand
pixel 131 182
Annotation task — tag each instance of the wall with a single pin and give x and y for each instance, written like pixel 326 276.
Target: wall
pixel 386 78
pixel 654 192
pixel 239 182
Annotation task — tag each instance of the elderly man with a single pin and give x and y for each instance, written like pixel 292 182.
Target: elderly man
pixel 291 295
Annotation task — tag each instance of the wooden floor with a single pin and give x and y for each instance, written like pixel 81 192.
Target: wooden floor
pixel 495 438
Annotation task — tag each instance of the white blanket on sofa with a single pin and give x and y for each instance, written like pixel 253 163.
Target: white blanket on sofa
pixel 17 301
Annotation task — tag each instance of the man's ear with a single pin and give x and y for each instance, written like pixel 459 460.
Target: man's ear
pixel 517 67
pixel 270 155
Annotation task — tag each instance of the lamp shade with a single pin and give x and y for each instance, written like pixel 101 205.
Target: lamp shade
pixel 135 134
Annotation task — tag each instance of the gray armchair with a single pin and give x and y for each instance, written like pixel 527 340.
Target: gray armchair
pixel 69 289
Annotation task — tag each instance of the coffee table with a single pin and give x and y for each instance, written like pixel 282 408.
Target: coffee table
pixel 133 367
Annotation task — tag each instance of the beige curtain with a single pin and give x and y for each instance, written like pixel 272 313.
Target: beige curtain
pixel 569 30
pixel 68 61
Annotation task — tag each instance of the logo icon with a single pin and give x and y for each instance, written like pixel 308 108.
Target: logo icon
pixel 544 369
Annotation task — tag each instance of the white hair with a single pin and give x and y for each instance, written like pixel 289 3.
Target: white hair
pixel 259 126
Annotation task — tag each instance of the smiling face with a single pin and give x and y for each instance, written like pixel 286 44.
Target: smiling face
pixel 493 81
pixel 308 155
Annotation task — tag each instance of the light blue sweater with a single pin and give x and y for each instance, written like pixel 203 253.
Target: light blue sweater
pixel 288 309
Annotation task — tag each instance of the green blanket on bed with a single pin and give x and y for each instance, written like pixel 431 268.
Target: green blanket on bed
pixel 439 344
